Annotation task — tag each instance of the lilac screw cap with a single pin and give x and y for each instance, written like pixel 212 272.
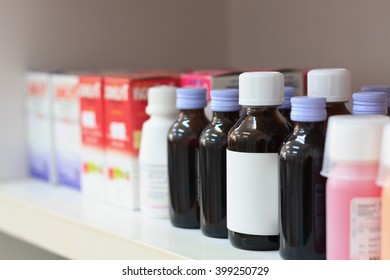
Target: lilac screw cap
pixel 369 103
pixel 224 100
pixel 308 109
pixel 190 98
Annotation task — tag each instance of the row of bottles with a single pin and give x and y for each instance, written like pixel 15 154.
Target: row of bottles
pixel 258 178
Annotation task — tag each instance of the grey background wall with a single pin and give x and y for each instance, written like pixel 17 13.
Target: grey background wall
pixel 353 34
pixel 180 34
pixel 96 34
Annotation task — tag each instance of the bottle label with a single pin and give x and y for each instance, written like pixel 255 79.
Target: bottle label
pixel 253 193
pixel 154 186
pixel 197 159
pixel 365 232
pixel 319 218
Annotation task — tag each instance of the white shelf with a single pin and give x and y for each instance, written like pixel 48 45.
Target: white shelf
pixel 64 222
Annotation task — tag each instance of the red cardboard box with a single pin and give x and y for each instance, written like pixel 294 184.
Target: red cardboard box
pixel 93 179
pixel 125 100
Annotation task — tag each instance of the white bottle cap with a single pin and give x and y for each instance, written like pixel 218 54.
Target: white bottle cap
pixel 353 139
pixel 384 162
pixel 334 84
pixel 261 88
pixel 161 100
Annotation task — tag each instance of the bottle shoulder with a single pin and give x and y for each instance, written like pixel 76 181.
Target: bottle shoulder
pixel 187 128
pixel 337 108
pixel 158 123
pixel 215 134
pixel 259 133
pixel 300 146
pixel 254 127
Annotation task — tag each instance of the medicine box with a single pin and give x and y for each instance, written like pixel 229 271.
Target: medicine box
pixel 67 132
pixel 125 100
pixel 40 126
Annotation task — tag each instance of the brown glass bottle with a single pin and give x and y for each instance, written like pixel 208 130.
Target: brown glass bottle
pixel 302 188
pixel 263 130
pixel 302 193
pixel 336 108
pixel 183 160
pixel 213 143
pixel 285 112
pixel 285 109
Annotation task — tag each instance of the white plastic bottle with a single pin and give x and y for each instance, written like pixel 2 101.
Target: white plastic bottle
pixel 153 155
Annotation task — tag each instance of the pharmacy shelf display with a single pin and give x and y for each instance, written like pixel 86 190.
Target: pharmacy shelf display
pixel 64 222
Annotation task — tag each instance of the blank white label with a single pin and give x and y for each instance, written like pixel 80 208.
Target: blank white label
pixel 118 131
pixel 365 239
pixel 253 193
pixel 88 119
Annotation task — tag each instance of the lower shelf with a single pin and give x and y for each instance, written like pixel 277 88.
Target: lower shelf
pixel 64 222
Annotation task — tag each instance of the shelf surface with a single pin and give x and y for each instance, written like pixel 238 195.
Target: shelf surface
pixel 65 222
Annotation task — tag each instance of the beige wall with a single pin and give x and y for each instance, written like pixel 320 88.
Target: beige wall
pixel 313 33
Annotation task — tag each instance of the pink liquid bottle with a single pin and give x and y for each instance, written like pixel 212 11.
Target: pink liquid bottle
pixel 353 211
pixel 384 181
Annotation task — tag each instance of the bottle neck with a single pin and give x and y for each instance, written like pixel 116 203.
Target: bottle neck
pixel 336 104
pixel 191 113
pixel 336 108
pixel 261 109
pixel 308 126
pixel 229 116
pixel 168 117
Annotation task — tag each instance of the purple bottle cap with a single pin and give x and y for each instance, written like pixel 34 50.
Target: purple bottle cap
pixel 224 100
pixel 378 88
pixel 369 103
pixel 288 93
pixel 308 109
pixel 190 98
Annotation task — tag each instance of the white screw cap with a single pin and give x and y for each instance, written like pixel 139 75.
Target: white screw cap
pixel 334 84
pixel 261 89
pixel 161 100
pixel 352 139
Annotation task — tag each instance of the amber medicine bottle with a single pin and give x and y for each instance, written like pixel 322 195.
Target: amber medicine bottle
pixel 252 163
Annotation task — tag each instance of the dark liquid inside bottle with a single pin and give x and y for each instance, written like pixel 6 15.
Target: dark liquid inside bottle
pixel 263 130
pixel 286 114
pixel 302 193
pixel 213 143
pixel 183 164
pixel 334 109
